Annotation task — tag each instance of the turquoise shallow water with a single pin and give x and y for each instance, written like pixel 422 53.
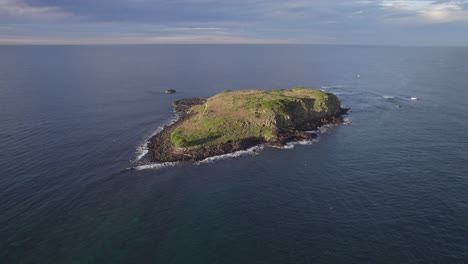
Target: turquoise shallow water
pixel 391 187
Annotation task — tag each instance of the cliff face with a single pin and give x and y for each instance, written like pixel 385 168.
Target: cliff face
pixel 234 120
pixel 307 113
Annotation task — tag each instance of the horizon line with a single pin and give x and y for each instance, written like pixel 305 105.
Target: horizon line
pixel 234 43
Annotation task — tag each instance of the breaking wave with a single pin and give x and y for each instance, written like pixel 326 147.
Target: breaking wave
pixel 290 145
pixel 250 151
pixel 142 149
pixel 155 165
pixel 391 97
pixel 331 86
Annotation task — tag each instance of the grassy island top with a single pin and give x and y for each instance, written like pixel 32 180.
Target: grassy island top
pixel 236 115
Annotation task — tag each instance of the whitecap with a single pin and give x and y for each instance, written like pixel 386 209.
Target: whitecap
pixel 290 145
pixel 155 165
pixel 331 86
pixel 323 129
pixel 287 146
pixel 250 151
pixel 142 149
pixel 413 98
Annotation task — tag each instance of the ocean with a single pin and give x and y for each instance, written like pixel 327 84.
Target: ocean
pixel 389 186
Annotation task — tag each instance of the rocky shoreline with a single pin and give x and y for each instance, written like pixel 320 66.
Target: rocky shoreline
pixel 161 149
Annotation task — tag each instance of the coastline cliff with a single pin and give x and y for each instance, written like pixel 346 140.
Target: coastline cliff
pixel 236 120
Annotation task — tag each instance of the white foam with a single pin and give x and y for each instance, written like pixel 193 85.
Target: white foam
pixel 331 86
pixel 287 146
pixel 156 165
pixel 413 98
pixel 142 149
pixel 250 151
pixel 290 145
pixel 323 129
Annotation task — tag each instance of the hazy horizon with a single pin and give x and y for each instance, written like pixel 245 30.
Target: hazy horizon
pixel 236 44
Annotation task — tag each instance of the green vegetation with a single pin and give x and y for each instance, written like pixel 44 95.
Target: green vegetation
pixel 235 115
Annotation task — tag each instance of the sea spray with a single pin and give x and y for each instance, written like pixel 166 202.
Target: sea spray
pixel 250 151
pixel 142 149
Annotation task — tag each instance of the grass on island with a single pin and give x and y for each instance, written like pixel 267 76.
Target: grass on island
pixel 234 115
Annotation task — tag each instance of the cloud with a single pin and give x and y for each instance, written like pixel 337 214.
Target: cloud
pixel 427 12
pixel 223 21
pixel 174 39
pixel 17 9
pixel 125 33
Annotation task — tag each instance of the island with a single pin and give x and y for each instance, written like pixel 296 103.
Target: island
pixel 236 120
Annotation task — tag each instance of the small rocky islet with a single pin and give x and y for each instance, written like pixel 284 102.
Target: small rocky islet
pixel 236 120
pixel 170 91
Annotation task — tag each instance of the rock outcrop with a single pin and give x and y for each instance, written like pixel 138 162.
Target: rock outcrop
pixel 236 120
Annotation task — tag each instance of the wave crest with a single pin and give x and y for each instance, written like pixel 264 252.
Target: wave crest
pixel 155 166
pixel 250 151
pixel 142 149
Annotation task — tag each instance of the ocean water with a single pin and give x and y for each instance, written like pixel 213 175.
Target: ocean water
pixel 389 187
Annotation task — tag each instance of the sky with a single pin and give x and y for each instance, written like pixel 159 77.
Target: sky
pixel 357 22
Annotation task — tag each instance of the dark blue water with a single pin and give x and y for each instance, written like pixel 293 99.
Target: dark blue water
pixel 391 187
